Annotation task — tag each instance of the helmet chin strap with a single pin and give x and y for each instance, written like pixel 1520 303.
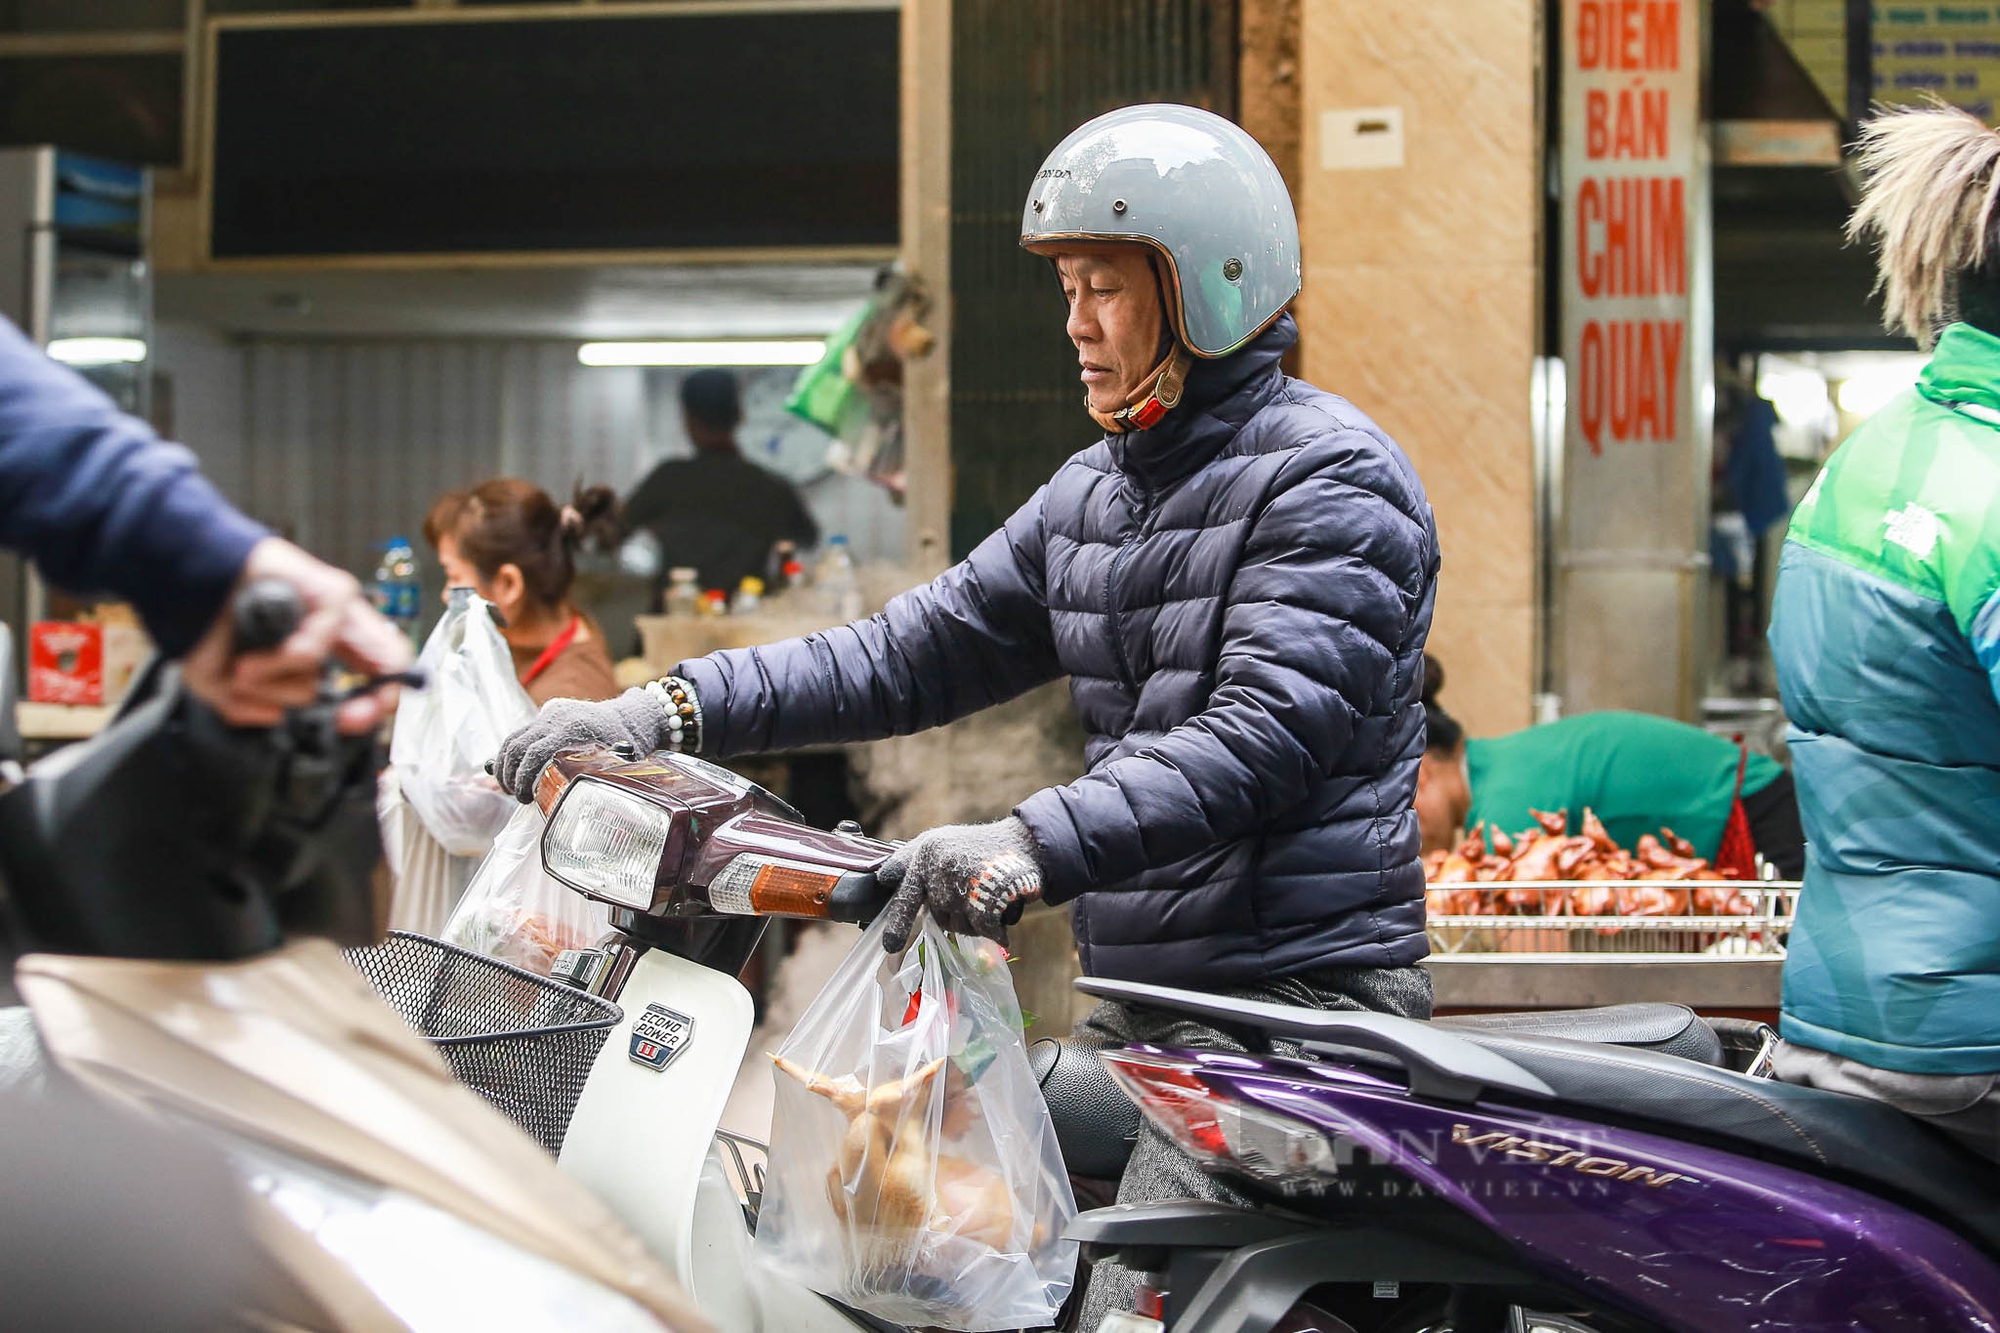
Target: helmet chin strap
pixel 1158 394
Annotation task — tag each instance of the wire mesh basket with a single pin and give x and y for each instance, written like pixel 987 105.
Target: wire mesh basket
pixel 1713 917
pixel 521 1041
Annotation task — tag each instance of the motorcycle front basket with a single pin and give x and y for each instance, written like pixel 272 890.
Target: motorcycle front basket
pixel 521 1041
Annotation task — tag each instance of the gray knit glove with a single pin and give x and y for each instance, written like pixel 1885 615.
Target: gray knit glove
pixel 635 718
pixel 974 878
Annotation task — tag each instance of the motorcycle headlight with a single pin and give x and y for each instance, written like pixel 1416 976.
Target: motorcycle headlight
pixel 607 842
pixel 430 1269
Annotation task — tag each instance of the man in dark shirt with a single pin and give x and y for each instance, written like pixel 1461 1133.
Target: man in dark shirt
pixel 717 512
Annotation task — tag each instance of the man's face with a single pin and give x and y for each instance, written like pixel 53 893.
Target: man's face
pixel 1114 319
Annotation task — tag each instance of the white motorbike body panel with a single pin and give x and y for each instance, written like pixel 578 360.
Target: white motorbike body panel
pixel 640 1135
pixel 730 1288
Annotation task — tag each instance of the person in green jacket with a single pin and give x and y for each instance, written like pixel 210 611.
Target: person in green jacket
pixel 1638 773
pixel 1885 632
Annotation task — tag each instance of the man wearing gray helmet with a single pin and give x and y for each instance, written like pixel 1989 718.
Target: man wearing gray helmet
pixel 1237 579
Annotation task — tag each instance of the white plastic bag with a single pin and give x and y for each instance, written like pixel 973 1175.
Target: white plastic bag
pixel 914 1173
pixel 446 734
pixel 519 913
pixel 427 880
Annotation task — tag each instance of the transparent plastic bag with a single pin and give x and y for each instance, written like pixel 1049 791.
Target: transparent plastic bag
pixel 914 1173
pixel 516 911
pixel 445 735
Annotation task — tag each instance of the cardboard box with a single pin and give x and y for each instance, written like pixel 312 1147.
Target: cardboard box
pixel 65 662
pixel 126 649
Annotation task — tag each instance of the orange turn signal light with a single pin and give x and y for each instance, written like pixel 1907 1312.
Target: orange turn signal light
pixel 782 890
pixel 549 787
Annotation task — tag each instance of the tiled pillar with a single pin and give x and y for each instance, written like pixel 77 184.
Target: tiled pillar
pixel 926 253
pixel 1421 300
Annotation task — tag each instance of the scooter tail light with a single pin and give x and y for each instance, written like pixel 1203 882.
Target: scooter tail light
pixel 1173 1096
pixel 1220 1129
pixel 752 885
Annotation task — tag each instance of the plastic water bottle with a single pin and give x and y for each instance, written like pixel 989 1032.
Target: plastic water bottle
pixel 396 591
pixel 839 592
pixel 683 592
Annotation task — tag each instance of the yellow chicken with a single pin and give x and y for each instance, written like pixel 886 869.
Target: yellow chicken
pixel 890 1180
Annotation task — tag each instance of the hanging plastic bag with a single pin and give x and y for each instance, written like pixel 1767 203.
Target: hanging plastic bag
pixel 445 735
pixel 823 393
pixel 519 913
pixel 914 1173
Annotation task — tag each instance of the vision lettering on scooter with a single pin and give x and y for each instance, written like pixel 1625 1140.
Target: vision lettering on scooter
pixel 1561 1154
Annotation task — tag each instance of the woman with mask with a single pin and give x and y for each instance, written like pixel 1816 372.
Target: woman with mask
pixel 516 547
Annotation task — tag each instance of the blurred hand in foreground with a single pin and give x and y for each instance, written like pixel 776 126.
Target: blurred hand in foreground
pixel 255 689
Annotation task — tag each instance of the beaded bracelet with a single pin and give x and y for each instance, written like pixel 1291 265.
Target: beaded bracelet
pixel 682 706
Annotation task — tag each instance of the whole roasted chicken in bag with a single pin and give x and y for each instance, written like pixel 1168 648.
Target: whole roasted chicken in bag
pixel 516 911
pixel 914 1173
pixel 445 735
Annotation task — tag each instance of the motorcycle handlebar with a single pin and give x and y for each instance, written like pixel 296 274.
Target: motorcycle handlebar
pixel 268 611
pixel 859 897
pixel 856 899
pixel 265 614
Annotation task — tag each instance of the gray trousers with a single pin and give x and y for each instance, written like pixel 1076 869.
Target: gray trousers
pixel 1965 1106
pixel 1158 1169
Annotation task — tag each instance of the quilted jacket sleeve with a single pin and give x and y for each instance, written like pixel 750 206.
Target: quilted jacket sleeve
pixel 1333 583
pixel 974 636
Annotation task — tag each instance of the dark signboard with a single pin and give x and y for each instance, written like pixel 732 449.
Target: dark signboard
pixel 749 127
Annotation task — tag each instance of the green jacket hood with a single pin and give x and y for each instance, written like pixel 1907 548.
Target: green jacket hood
pixel 1964 368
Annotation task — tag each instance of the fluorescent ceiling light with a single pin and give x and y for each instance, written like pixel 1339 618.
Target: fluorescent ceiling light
pixel 730 352
pixel 97 351
pixel 1798 392
pixel 1867 393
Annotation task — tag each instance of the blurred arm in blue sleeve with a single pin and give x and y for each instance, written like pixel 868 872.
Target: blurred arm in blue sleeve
pixel 103 505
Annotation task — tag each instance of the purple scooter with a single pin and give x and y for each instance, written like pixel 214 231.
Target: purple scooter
pixel 1630 1168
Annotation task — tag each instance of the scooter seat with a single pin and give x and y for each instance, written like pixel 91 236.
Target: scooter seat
pixel 1670 1029
pixel 1869 1143
pixel 1095 1122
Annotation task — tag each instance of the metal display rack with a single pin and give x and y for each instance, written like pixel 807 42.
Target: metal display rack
pixel 1549 926
pixel 1716 963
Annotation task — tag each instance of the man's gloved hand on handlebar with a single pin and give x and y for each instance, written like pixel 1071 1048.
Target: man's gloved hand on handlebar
pixel 974 879
pixel 664 715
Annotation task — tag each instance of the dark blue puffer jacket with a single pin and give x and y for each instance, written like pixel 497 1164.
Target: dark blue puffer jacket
pixel 1240 598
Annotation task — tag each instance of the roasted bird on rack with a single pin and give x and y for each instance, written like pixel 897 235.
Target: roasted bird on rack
pixel 1577 874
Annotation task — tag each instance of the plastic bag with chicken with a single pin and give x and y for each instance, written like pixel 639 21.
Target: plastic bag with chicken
pixel 518 912
pixel 914 1172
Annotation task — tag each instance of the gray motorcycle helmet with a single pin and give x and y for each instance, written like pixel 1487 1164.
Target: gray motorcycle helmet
pixel 1199 191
